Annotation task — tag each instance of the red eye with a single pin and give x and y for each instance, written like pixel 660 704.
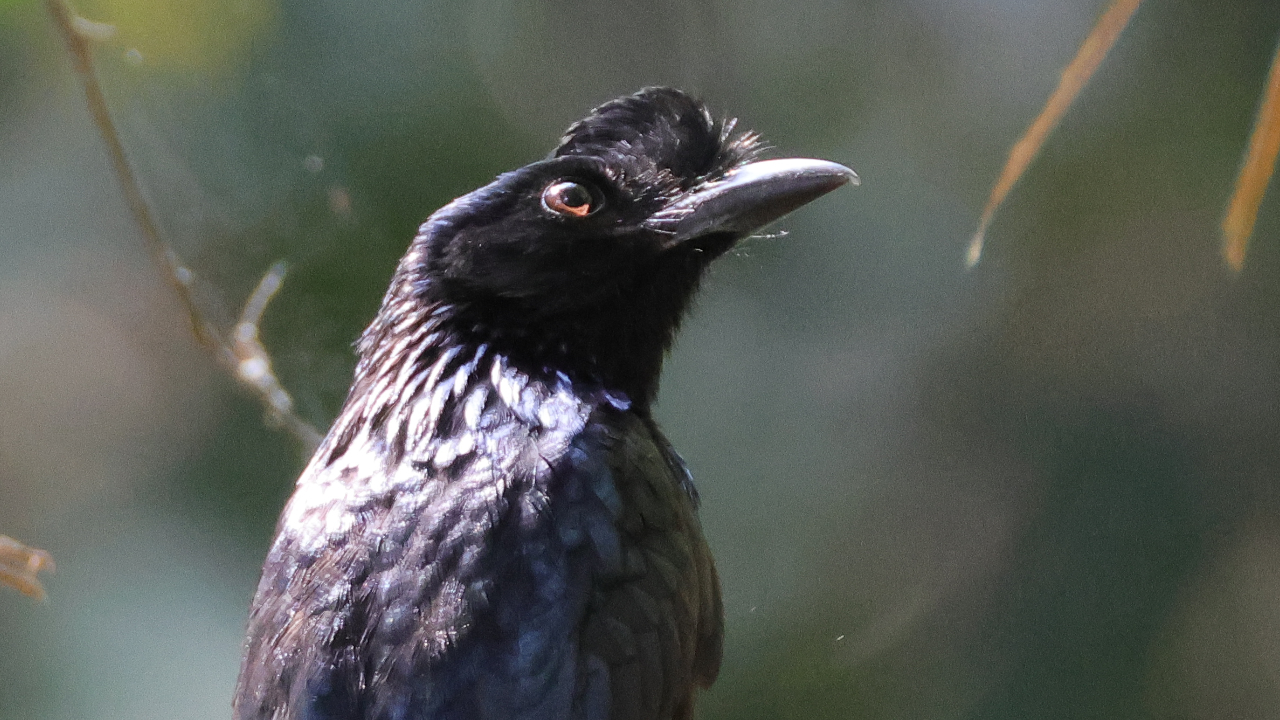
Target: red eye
pixel 571 199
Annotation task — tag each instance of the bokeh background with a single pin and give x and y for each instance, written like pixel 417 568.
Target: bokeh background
pixel 1045 488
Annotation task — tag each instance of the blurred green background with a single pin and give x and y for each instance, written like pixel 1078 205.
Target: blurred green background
pixel 1046 488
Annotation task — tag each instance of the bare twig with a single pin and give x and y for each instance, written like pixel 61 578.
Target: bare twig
pixel 241 354
pixel 253 364
pixel 20 566
pixel 1073 80
pixel 1255 173
pixel 78 45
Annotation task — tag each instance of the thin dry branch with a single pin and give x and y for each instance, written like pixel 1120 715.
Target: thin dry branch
pixel 1255 173
pixel 21 565
pixel 1074 78
pixel 253 364
pixel 240 353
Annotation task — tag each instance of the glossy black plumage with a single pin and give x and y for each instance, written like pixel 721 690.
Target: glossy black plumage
pixel 494 527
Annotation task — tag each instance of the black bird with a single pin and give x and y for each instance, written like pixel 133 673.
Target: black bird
pixel 495 527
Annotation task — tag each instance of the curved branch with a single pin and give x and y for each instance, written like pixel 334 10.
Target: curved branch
pixel 240 351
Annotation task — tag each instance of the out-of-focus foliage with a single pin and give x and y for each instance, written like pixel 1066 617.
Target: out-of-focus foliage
pixel 1075 77
pixel 1255 171
pixel 1044 488
pixel 197 38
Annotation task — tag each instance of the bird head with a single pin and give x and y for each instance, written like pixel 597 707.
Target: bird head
pixel 584 263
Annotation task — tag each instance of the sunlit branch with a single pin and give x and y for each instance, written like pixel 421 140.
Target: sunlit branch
pixel 20 567
pixel 253 364
pixel 1255 173
pixel 1074 78
pixel 242 354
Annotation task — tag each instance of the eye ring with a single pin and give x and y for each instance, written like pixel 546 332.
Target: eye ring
pixel 572 199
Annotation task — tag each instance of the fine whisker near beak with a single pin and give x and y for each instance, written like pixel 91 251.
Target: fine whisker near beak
pixel 750 197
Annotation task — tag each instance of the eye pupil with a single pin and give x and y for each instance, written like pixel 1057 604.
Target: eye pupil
pixel 569 198
pixel 575 195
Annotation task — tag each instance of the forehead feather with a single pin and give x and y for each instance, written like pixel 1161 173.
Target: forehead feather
pixel 660 132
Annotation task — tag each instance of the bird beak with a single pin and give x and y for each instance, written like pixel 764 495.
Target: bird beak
pixel 748 198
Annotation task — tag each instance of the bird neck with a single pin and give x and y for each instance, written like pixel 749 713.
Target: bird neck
pixel 615 343
pixel 444 340
pixel 422 391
